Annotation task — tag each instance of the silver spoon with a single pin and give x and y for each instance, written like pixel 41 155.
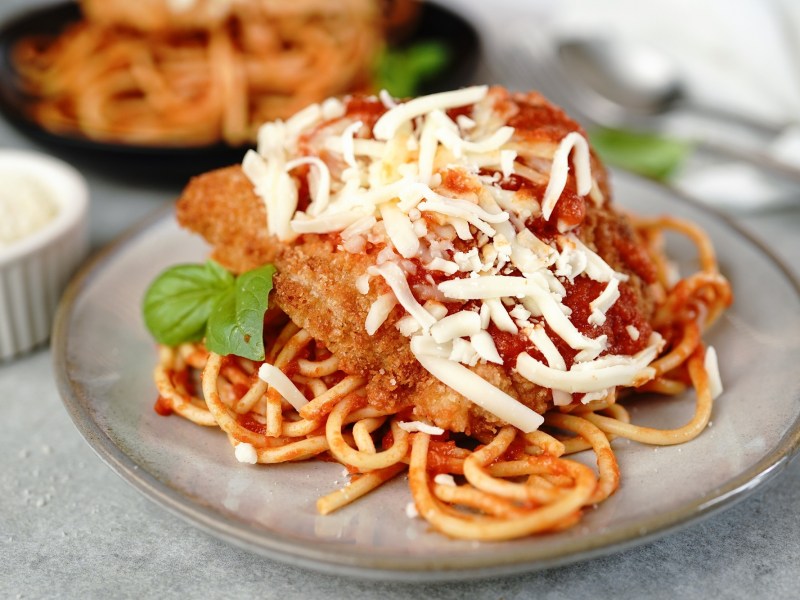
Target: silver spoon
pixel 626 81
pixel 617 83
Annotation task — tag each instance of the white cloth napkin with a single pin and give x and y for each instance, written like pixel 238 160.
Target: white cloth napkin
pixel 740 55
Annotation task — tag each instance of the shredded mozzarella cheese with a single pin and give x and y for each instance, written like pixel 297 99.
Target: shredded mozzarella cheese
pixel 591 376
pixel 484 345
pixel 603 302
pixel 378 312
pixel 712 368
pixel 415 196
pixel 414 426
pixel 560 169
pixel 481 392
pixel 348 146
pixel 284 386
pixel 394 118
pixel 396 280
pixel 460 324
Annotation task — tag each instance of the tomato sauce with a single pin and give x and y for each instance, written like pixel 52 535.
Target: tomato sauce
pixel 445 457
pixel 624 312
pixel 515 183
pixel 458 182
pixel 509 345
pixel 251 424
pixel 303 191
pixel 162 407
pixel 465 111
pixel 569 213
pixel 366 109
pixel 542 122
pixel 636 258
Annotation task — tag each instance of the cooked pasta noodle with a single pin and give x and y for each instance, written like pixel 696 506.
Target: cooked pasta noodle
pixel 512 485
pixel 438 319
pixel 200 82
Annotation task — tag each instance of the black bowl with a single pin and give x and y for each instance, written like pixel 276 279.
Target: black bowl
pixel 176 162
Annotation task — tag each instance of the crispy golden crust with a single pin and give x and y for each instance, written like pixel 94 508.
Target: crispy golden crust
pixel 316 287
pixel 222 207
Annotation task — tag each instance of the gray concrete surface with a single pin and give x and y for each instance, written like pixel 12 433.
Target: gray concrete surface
pixel 70 528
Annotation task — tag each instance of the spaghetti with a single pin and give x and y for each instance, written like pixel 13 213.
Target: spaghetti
pixel 181 82
pixel 519 483
pixel 501 476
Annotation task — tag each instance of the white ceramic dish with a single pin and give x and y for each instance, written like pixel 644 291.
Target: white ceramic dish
pixel 35 269
pixel 103 363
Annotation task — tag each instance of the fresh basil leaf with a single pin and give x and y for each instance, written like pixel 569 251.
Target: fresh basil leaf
pixel 216 270
pixel 177 304
pixel 645 153
pixel 402 71
pixel 236 324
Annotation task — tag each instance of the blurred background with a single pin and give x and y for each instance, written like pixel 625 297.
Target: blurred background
pixel 724 76
pixel 701 95
pixel 704 94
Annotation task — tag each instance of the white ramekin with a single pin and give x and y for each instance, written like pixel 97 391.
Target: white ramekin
pixel 35 269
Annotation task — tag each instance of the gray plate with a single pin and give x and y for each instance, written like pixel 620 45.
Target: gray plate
pixel 104 359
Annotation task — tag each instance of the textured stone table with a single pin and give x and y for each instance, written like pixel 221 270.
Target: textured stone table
pixel 71 528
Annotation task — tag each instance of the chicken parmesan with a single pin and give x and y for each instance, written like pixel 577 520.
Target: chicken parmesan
pixel 455 293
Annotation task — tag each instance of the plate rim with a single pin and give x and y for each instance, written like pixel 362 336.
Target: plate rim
pixel 318 556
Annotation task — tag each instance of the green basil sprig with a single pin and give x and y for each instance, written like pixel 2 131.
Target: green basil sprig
pixel 403 71
pixel 186 303
pixel 648 154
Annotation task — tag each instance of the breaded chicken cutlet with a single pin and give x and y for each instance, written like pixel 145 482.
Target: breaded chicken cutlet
pixel 333 283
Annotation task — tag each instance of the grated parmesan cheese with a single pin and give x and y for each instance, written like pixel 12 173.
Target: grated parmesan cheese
pixel 712 368
pixel 413 195
pixel 245 453
pixel 414 426
pixel 444 479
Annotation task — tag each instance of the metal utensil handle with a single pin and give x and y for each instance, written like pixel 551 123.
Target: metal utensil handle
pixel 758 159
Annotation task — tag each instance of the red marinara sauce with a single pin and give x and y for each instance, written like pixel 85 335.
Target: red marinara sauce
pixel 162 407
